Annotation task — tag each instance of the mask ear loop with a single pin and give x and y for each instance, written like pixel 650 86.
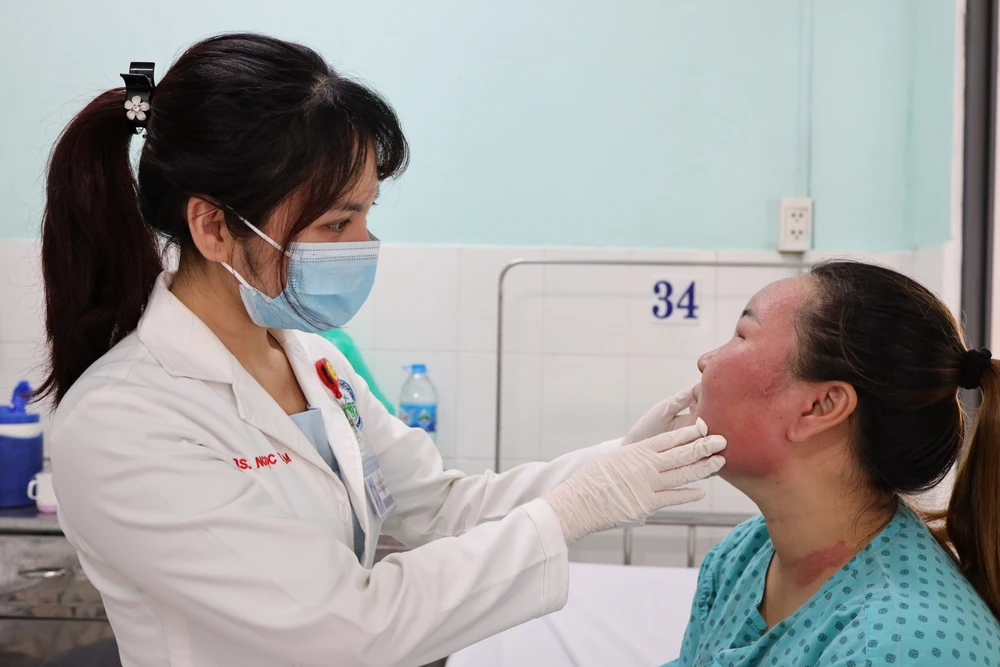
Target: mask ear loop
pixel 262 235
pixel 236 275
pixel 274 244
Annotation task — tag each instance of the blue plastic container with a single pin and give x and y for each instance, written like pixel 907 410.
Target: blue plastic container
pixel 20 448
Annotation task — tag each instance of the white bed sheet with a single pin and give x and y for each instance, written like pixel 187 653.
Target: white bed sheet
pixel 616 615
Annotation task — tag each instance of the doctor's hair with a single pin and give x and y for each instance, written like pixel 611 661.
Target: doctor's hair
pixel 244 121
pixel 904 354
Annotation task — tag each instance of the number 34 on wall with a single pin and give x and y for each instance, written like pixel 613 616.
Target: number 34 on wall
pixel 672 304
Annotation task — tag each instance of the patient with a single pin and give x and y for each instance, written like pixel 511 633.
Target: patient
pixel 838 394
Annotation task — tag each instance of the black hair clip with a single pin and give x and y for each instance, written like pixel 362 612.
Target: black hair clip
pixel 139 88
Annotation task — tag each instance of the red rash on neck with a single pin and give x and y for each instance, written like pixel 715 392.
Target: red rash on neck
pixel 813 565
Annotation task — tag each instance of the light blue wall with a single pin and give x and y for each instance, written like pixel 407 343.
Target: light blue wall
pixel 861 79
pixel 882 82
pixel 931 111
pixel 661 123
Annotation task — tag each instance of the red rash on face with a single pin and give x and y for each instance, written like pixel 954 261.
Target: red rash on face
pixel 744 393
pixel 816 564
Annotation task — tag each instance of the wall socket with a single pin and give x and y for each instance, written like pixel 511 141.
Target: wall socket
pixel 795 228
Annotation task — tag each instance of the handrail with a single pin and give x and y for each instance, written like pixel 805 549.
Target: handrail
pixel 690 519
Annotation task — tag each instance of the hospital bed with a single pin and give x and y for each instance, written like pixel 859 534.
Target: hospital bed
pixel 616 615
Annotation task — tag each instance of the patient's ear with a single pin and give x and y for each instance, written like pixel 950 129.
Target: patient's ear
pixel 827 406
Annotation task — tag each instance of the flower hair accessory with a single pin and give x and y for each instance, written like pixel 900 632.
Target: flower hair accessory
pixel 139 89
pixel 136 109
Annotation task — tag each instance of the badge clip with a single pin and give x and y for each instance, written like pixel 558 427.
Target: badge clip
pixel 328 376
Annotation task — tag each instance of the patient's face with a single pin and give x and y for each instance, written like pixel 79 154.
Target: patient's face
pixel 747 394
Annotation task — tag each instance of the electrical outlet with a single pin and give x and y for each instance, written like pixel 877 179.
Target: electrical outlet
pixel 795 228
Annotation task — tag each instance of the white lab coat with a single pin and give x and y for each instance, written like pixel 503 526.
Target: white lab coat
pixel 202 561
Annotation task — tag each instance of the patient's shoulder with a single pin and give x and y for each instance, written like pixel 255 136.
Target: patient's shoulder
pixel 922 604
pixel 903 599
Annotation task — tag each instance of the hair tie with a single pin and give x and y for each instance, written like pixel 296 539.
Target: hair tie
pixel 974 364
pixel 139 88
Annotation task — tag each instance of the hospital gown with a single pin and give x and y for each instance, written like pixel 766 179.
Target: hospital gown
pixel 901 600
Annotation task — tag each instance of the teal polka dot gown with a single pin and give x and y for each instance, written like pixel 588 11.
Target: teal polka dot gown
pixel 900 601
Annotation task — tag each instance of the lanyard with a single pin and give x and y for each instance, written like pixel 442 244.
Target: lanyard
pixel 375 485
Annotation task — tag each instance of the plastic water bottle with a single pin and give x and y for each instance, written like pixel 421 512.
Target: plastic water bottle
pixel 418 400
pixel 20 448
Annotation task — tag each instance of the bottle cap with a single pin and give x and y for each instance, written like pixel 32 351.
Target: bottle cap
pixel 16 412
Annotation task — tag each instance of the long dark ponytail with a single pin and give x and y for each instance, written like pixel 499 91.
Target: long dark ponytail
pixel 971 524
pixel 244 121
pixel 99 259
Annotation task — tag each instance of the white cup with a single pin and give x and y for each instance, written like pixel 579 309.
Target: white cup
pixel 40 490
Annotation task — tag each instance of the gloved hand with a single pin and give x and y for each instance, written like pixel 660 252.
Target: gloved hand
pixel 621 487
pixel 663 417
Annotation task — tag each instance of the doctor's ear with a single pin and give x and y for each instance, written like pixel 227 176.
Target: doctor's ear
pixel 828 405
pixel 207 224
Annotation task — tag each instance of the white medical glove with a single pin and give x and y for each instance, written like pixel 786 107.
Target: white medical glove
pixel 621 487
pixel 664 417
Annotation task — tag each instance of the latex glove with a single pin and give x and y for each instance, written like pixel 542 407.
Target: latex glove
pixel 628 484
pixel 664 417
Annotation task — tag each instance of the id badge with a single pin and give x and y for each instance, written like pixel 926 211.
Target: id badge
pixel 378 492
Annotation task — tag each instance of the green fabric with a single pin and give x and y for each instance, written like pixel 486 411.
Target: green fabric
pixel 346 345
pixel 901 600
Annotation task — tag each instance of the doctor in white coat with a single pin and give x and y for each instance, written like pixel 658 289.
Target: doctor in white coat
pixel 223 474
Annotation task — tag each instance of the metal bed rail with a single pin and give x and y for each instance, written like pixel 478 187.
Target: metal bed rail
pixel 693 520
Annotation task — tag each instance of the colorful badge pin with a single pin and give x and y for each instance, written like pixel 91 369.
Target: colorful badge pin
pixel 328 376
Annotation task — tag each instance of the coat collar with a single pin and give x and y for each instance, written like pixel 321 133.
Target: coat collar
pixel 185 347
pixel 180 341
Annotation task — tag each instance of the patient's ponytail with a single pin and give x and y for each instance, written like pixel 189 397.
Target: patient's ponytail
pixel 972 521
pixel 99 259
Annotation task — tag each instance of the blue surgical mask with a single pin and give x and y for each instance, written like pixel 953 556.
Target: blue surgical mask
pixel 327 285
